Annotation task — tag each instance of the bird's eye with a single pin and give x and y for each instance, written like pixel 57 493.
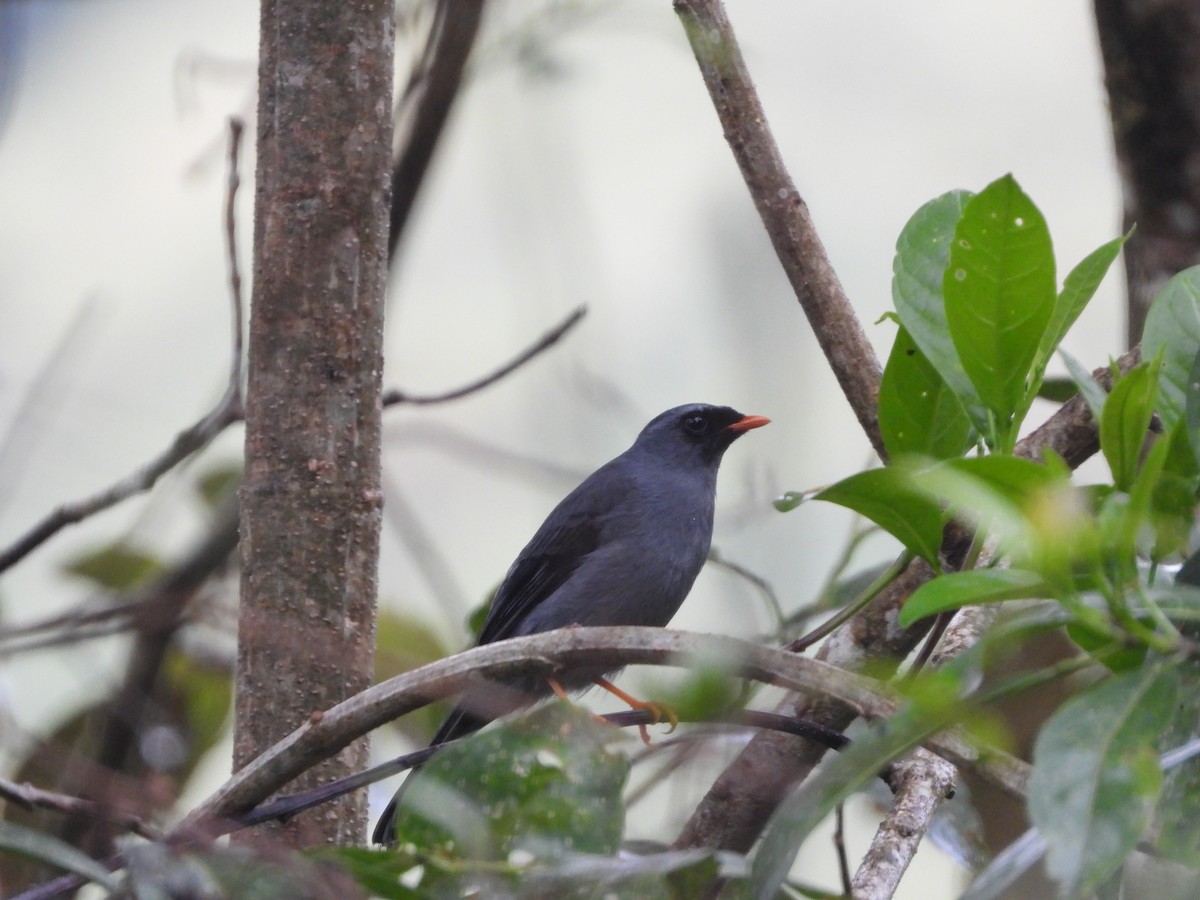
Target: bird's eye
pixel 695 424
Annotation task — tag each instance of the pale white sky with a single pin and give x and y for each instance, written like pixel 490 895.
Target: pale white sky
pixel 607 184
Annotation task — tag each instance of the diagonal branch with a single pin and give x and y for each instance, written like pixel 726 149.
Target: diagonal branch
pixel 326 733
pixel 783 211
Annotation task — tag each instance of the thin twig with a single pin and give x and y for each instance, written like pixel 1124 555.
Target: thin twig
pixel 30 797
pixel 235 274
pixel 425 104
pixel 783 211
pixel 545 342
pixel 839 845
pixel 227 411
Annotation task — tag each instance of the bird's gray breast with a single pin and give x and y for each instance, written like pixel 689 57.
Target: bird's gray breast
pixel 652 546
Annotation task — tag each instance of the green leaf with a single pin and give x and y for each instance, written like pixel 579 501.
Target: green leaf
pixel 1116 656
pixel 1173 328
pixel 958 589
pixel 1000 295
pixel 918 413
pixel 1096 777
pixel 789 500
pixel 545 782
pixel 1175 494
pixel 1078 289
pixel 1093 394
pixel 218 483
pixel 889 498
pixel 203 696
pixel 53 852
pixel 922 252
pixel 1057 390
pixel 1191 416
pixel 1017 479
pixel 1126 421
pixel 1177 826
pixel 117 567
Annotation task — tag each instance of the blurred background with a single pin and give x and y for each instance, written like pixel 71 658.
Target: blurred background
pixel 583 165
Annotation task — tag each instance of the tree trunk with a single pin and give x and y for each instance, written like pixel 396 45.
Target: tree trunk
pixel 311 493
pixel 1151 52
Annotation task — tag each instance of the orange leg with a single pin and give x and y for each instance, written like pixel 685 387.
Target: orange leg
pixel 658 710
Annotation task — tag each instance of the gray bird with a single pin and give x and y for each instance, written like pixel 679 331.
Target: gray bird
pixel 623 548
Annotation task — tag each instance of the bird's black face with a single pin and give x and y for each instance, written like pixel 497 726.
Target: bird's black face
pixel 697 431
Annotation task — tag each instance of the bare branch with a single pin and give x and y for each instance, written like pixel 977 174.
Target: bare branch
pixel 30 797
pixel 783 211
pixel 545 342
pixel 326 733
pixel 919 784
pixel 425 105
pixel 233 182
pixel 227 411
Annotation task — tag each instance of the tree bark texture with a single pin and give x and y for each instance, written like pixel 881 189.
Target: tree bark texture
pixel 311 493
pixel 1151 51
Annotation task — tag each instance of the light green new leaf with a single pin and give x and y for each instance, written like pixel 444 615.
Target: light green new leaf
pixel 922 252
pixel 958 589
pixel 889 498
pixel 1173 328
pixel 1096 775
pixel 1078 289
pixel 1126 420
pixel 1000 293
pixel 918 413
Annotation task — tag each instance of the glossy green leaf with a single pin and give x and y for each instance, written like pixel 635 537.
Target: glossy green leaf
pixel 1096 776
pixel 1078 289
pixel 889 498
pixel 922 252
pixel 1093 394
pixel 53 852
pixel 1173 328
pixel 1000 294
pixel 918 412
pixel 957 589
pixel 1125 422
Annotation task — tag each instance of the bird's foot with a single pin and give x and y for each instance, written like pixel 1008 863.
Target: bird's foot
pixel 659 712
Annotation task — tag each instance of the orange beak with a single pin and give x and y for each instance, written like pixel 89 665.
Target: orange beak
pixel 747 422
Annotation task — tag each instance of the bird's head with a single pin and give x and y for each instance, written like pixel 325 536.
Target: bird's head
pixel 696 433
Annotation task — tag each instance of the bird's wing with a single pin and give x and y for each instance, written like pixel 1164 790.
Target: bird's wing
pixel 572 531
